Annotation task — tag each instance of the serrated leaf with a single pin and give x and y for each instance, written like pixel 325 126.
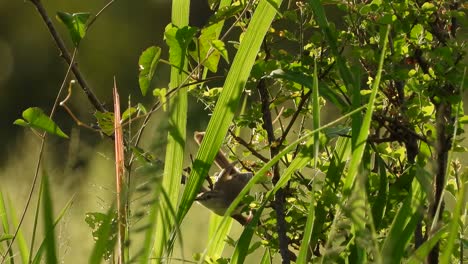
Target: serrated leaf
pixel 178 40
pixel 75 23
pixel 147 64
pixel 34 117
pixel 105 122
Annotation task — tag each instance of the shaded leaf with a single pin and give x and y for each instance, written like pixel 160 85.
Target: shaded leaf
pixel 105 122
pixel 75 23
pixel 104 232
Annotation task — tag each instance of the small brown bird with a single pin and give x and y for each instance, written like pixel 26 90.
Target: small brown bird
pixel 229 182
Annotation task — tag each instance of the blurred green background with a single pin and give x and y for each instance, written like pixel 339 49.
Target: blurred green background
pixel 31 71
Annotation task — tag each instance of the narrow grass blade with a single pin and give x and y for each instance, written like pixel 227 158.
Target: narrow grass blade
pixel 403 225
pixel 358 151
pixel 304 248
pixel 242 246
pixel 266 259
pixel 302 257
pixel 48 212
pixel 175 140
pixel 20 240
pixel 322 21
pixel 5 225
pixel 419 256
pixel 455 222
pixel 37 258
pixel 219 238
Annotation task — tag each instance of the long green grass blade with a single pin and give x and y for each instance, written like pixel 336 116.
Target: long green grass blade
pixel 455 222
pixel 322 21
pixel 266 259
pixel 20 240
pixel 6 226
pixel 403 225
pixel 175 140
pixel 358 151
pixel 302 257
pixel 42 247
pixel 48 212
pixel 219 238
pixel 421 253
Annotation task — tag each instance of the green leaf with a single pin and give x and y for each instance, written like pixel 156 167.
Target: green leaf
pixel 204 44
pixel 404 224
pixel 75 23
pixel 178 40
pixel 161 93
pixel 128 113
pixel 219 46
pixel 104 232
pixel 147 64
pixel 34 117
pixel 105 122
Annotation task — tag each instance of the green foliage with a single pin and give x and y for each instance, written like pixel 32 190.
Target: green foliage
pixel 34 117
pixel 178 40
pixel 147 64
pixel 104 232
pixel 367 186
pixel 75 23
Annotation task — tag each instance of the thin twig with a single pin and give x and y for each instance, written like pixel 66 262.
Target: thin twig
pixel 38 164
pixel 66 56
pixel 91 22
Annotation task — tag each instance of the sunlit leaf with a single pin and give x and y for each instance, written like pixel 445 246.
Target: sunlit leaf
pixel 34 117
pixel 147 64
pixel 128 113
pixel 161 93
pixel 178 40
pixel 219 46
